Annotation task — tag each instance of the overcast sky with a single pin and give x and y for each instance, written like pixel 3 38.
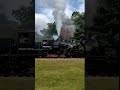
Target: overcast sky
pixel 43 13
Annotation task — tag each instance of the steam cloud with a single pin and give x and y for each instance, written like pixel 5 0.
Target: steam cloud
pixel 68 30
pixel 59 13
pixel 64 26
pixel 58 7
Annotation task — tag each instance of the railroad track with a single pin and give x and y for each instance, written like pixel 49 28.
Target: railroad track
pixel 60 59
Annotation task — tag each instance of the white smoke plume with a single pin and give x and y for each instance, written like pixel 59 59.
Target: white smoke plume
pixel 64 26
pixel 67 32
pixel 58 7
pixel 55 37
pixel 59 13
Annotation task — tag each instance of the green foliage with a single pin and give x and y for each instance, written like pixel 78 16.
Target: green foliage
pixel 106 27
pixel 50 31
pixel 106 22
pixel 52 28
pixel 25 16
pixel 79 21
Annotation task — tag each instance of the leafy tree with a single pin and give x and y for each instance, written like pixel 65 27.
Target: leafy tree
pixel 79 21
pixel 50 31
pixel 25 16
pixel 106 22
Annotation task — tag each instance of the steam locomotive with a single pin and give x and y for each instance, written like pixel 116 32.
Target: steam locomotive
pixel 58 47
pixel 17 54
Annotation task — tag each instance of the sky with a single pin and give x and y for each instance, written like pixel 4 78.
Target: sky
pixel 44 10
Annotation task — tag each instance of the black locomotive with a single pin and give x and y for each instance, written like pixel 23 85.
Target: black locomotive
pixel 57 47
pixel 17 54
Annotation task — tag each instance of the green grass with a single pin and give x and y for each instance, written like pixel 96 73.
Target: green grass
pixel 16 83
pixel 59 75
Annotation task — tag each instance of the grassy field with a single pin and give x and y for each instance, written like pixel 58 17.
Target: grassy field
pixel 59 75
pixel 16 83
